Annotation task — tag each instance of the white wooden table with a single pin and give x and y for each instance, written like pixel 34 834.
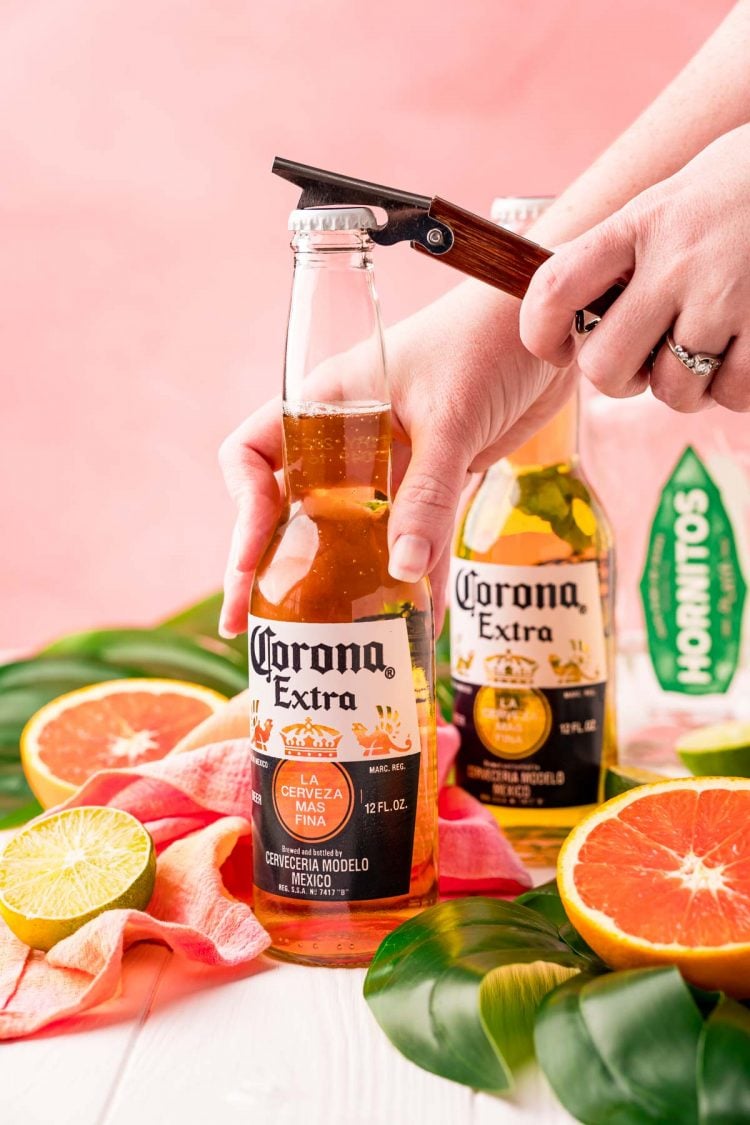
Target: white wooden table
pixel 275 1044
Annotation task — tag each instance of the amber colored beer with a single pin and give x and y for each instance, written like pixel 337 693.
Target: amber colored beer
pixel 328 563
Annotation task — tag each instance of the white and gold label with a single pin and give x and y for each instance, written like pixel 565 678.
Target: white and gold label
pixel 527 626
pixel 332 692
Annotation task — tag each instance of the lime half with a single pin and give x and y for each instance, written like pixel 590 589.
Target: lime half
pixel 716 751
pixel 619 779
pixel 61 871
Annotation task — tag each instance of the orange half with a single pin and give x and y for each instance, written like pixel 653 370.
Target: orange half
pixel 111 725
pixel 661 875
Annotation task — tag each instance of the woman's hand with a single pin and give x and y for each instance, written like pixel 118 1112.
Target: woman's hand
pixel 683 245
pixel 464 393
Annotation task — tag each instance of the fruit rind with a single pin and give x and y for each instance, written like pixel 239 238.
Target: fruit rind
pixel 725 967
pixel 47 787
pixel 44 932
pixel 720 749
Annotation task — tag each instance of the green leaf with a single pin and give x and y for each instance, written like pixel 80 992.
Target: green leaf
pixel 646 1027
pixel 443 646
pixel 17 705
pixel 65 674
pixel 545 899
pixel 14 789
pixel 424 985
pixel 10 734
pixel 724 1066
pixel 444 694
pixel 155 652
pixel 623 1047
pixel 202 621
pixel 574 1069
pixel 26 685
pixel 20 816
pixel 508 1000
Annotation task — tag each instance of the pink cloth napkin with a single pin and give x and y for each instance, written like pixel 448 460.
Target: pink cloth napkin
pixel 197 807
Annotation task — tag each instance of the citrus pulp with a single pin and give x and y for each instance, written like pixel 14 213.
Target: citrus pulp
pixel 64 869
pixel 110 725
pixel 661 875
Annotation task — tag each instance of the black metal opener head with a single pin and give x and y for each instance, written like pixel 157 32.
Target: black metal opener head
pixel 408 218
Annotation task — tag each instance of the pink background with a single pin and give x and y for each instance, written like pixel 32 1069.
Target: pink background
pixel 145 268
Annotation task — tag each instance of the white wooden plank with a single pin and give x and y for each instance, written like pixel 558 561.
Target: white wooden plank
pixel 66 1075
pixel 281 1046
pixel 531 1103
pixel 289 1044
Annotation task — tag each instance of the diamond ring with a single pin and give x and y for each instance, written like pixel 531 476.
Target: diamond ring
pixel 700 363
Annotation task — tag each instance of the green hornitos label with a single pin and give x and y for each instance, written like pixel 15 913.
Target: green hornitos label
pixel 692 587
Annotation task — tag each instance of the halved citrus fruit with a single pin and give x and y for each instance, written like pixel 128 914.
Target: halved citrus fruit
pixel 110 725
pixel 661 875
pixel 64 869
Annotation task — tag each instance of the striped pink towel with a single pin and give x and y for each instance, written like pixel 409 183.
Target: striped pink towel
pixel 197 807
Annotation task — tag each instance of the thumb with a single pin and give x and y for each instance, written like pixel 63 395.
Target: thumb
pixel 424 510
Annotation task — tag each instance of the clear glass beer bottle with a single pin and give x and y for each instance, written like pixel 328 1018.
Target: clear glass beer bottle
pixel 341 655
pixel 532 637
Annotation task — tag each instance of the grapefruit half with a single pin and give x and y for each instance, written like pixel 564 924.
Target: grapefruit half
pixel 661 875
pixel 115 724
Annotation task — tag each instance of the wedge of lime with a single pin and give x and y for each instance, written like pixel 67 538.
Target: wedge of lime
pixel 722 750
pixel 618 779
pixel 64 869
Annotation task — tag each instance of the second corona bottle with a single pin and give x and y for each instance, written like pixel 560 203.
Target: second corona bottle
pixel 341 655
pixel 532 640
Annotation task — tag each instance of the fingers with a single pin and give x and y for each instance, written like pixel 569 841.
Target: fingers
pixel 237 583
pixel 614 357
pixel 674 383
pixel 549 403
pixel 730 386
pixel 425 506
pixel 577 273
pixel 249 458
pixel 439 585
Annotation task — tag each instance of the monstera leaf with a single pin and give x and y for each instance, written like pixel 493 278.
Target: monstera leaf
pixel 457 987
pixel 473 989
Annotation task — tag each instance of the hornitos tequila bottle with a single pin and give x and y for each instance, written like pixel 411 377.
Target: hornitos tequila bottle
pixel 682 515
pixel 532 645
pixel 341 655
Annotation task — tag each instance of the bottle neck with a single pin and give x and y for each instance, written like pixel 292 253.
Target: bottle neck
pixel 555 444
pixel 334 347
pixel 337 419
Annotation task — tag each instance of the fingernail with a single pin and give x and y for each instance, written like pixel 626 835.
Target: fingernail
pixel 409 558
pixel 227 634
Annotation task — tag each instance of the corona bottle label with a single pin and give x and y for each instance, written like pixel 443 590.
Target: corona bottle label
pixel 336 740
pixel 530 673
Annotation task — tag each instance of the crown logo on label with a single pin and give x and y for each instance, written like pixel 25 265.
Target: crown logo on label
pixel 510 668
pixel 310 740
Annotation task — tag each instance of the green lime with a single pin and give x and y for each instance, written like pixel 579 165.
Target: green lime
pixel 722 750
pixel 619 779
pixel 64 869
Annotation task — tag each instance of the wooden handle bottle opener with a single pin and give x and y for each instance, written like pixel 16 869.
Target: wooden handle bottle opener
pixel 432 225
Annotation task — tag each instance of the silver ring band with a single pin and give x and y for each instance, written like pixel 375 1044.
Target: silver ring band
pixel 703 364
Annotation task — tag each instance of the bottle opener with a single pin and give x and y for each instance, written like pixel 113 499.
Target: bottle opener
pixel 432 225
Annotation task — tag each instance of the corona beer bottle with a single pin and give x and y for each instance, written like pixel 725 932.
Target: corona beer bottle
pixel 341 654
pixel 532 642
